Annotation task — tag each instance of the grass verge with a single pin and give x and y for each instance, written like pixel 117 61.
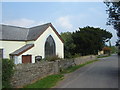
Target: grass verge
pixel 46 82
pixel 71 69
pixel 103 56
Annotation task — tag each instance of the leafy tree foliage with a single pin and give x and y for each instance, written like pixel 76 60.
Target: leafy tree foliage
pixel 85 41
pixel 68 43
pixel 113 49
pixel 113 10
pixel 89 40
pixel 7 72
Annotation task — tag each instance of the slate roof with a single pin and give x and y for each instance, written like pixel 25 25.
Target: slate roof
pixel 22 49
pixel 35 32
pixel 22 34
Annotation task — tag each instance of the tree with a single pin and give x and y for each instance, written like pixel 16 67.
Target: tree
pixel 89 40
pixel 118 46
pixel 68 44
pixel 85 41
pixel 113 10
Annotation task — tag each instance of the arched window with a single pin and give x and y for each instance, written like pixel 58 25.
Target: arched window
pixel 49 47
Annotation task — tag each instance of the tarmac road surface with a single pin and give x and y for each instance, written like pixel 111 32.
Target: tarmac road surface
pixel 100 74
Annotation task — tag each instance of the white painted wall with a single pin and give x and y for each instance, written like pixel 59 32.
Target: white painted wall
pixel 18 59
pixel 41 41
pixel 37 50
pixel 39 44
pixel 100 52
pixel 10 46
pixel 30 42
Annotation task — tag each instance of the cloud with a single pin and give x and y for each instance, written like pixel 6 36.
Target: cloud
pixel 64 22
pixel 23 22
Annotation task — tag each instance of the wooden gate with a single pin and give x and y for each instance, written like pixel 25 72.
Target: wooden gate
pixel 26 58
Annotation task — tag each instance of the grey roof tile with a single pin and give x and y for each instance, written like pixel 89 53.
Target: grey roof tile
pixel 20 33
pixel 13 33
pixel 22 49
pixel 35 32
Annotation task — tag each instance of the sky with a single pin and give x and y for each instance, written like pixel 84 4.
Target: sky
pixel 65 16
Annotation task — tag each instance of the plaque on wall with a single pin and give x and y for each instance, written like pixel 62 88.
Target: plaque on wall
pixel 38 58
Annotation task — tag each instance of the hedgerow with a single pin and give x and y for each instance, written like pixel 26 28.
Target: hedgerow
pixel 7 72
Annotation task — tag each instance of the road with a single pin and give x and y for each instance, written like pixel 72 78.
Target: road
pixel 100 74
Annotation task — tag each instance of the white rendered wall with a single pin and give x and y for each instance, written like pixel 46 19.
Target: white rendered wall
pixel 18 59
pixel 100 52
pixel 37 50
pixel 10 46
pixel 39 45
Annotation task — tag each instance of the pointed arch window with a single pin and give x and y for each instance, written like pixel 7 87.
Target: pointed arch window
pixel 50 49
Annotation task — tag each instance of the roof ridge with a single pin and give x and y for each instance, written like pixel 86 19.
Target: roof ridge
pixel 40 25
pixel 14 26
pixel 25 27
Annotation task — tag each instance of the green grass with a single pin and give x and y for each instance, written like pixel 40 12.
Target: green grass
pixel 46 82
pixel 71 69
pixel 103 56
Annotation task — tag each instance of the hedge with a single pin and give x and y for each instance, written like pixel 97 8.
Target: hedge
pixel 7 72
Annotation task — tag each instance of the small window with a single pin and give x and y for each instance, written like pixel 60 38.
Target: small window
pixel 1 53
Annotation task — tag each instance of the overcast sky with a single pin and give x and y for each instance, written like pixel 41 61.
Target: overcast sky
pixel 65 16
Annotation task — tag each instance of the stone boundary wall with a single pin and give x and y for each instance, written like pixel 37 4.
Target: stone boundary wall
pixel 65 63
pixel 27 73
pixel 83 59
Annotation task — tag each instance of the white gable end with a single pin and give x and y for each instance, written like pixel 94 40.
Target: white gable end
pixel 33 48
pixel 39 44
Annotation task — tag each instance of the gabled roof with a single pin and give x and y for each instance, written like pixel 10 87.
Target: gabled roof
pixel 35 32
pixel 22 49
pixel 13 33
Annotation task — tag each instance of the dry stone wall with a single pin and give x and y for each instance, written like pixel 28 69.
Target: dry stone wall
pixel 83 59
pixel 27 73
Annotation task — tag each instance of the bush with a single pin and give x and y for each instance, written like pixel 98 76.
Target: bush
pixel 52 58
pixel 7 72
pixel 119 53
pixel 77 55
pixel 69 56
pixel 119 50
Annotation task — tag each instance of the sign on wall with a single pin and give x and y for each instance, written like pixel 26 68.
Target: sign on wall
pixel 38 58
